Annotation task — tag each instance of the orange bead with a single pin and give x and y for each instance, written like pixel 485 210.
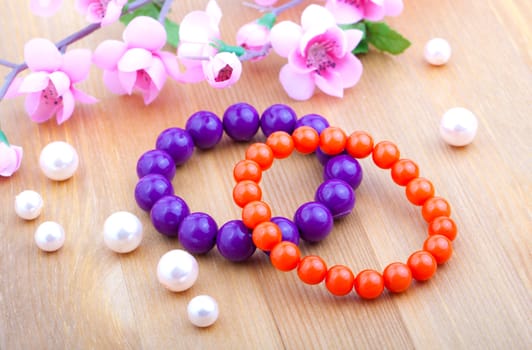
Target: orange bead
pixel 359 144
pixel 443 225
pixel 419 190
pixel 312 269
pixel 403 171
pixel 422 264
pixel 332 140
pixel 369 284
pixel 247 170
pixel 246 191
pixel 397 277
pixel 385 154
pixel 254 213
pixel 306 139
pixel 440 247
pixel 261 153
pixel 281 144
pixel 339 280
pixel 285 256
pixel 266 235
pixel 434 207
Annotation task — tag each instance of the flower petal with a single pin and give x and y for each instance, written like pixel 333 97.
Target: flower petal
pixel 170 64
pixel 64 113
pixel 353 37
pixel 214 11
pixel 393 7
pixel 13 88
pixel 314 14
pixel 34 82
pixel 330 83
pixel 41 54
pixel 343 12
pixel 10 159
pixel 127 79
pixel 76 64
pixel 38 110
pixel 112 13
pixel 150 94
pixel 350 70
pixel 135 59
pixel 195 28
pixel 157 73
pixel 193 74
pixel 82 96
pixel 145 32
pixel 45 8
pixel 108 53
pixel 285 37
pixel 373 11
pixel 32 101
pixel 113 83
pixel 298 86
pixel 61 82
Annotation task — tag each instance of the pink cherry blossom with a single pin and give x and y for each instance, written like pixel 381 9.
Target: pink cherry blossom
pixel 137 63
pixel 197 32
pixel 101 11
pixel 10 158
pixel 352 11
pixel 45 8
pixel 222 70
pixel 254 37
pixel 50 86
pixel 319 54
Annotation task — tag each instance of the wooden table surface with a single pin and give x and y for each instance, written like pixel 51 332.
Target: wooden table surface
pixel 85 296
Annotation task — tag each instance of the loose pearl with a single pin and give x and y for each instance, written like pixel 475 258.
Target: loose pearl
pixel 28 204
pixel 122 232
pixel 50 236
pixel 458 126
pixel 59 160
pixel 177 270
pixel 437 51
pixel 202 311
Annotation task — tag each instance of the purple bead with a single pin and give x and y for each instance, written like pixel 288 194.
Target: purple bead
pixel 344 167
pixel 177 143
pixel 337 195
pixel 322 157
pixel 197 233
pixel 241 121
pixel 315 121
pixel 278 117
pixel 168 213
pixel 156 162
pixel 288 229
pixel 150 189
pixel 234 241
pixel 205 128
pixel 314 221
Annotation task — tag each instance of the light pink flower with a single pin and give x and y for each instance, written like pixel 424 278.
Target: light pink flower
pixel 137 63
pixel 253 37
pixel 352 11
pixel 101 11
pixel 265 3
pixel 45 8
pixel 197 32
pixel 222 70
pixel 10 157
pixel 50 86
pixel 319 54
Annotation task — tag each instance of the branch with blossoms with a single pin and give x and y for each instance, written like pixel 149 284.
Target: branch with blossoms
pixel 321 52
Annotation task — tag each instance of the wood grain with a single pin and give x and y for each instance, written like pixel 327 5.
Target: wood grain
pixel 86 297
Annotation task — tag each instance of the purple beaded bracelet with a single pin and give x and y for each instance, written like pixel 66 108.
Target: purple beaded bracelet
pixel 198 232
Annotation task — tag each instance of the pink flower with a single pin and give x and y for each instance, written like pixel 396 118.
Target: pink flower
pixel 222 70
pixel 45 8
pixel 319 54
pixel 50 86
pixel 197 32
pixel 352 11
pixel 10 157
pixel 137 63
pixel 265 3
pixel 254 37
pixel 101 11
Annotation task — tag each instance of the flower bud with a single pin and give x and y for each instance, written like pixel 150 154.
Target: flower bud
pixel 222 70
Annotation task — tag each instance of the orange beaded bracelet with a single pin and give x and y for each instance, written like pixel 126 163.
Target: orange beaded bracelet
pixel 339 279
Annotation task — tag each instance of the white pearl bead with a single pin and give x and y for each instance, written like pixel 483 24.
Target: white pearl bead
pixel 458 126
pixel 50 236
pixel 202 311
pixel 177 270
pixel 59 160
pixel 437 51
pixel 28 204
pixel 122 232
